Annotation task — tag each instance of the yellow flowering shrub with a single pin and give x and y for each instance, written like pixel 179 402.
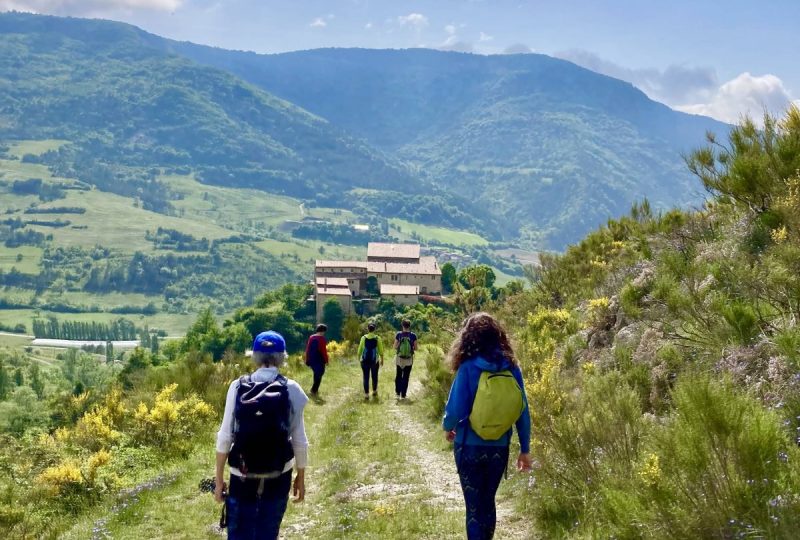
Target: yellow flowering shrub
pixel 779 235
pixel 96 461
pixel 61 478
pixel 170 423
pixel 94 431
pixel 113 408
pixel 337 350
pixel 545 330
pixel 650 470
pixel 597 311
pixel 69 479
pixel 385 510
pixel 545 396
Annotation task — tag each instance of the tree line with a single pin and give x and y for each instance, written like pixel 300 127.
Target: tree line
pixel 118 330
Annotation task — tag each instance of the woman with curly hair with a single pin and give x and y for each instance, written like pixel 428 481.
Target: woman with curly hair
pixel 481 347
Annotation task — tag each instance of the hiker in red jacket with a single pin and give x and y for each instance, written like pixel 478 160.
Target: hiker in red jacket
pixel 316 356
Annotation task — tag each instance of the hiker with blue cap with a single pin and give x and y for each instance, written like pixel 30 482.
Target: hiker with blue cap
pixel 262 438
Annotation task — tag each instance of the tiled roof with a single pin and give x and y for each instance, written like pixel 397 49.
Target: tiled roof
pixel 393 251
pixel 388 289
pixel 334 291
pixel 340 264
pixel 426 266
pixel 332 282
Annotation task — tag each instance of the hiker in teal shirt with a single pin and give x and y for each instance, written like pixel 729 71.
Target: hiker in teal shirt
pixel 370 349
pixel 482 346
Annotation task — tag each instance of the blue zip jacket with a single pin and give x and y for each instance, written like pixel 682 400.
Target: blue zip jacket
pixel 462 394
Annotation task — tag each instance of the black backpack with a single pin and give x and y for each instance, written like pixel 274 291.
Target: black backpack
pixel 261 426
pixel 370 349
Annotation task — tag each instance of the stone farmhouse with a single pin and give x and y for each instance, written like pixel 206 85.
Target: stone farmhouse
pixel 397 271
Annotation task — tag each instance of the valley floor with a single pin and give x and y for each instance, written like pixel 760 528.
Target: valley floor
pixel 379 469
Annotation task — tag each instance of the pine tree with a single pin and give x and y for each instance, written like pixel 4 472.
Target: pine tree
pixel 5 382
pixel 37 384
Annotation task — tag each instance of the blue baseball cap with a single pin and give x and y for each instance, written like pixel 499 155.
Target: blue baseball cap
pixel 269 342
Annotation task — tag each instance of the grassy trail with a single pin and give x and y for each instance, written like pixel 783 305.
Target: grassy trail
pixel 378 469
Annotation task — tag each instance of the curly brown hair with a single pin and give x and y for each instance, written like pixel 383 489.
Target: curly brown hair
pixel 481 335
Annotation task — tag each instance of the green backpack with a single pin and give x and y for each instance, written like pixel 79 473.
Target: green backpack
pixel 404 348
pixel 497 406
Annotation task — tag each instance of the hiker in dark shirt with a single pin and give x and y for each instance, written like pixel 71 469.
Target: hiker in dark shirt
pixel 370 349
pixel 316 356
pixel 405 344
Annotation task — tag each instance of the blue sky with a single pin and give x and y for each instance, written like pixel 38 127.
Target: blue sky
pixel 717 58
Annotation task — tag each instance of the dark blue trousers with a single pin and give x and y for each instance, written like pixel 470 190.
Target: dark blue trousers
pixel 370 368
pixel 253 515
pixel 318 368
pixel 480 469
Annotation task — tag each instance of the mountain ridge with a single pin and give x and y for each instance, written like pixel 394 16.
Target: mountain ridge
pixel 531 103
pixel 461 134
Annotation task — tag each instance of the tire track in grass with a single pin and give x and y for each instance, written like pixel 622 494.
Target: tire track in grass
pixel 372 485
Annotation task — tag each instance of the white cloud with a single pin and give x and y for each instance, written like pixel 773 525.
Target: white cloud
pixel 450 29
pixel 83 7
pixel 485 37
pixel 746 94
pixel 415 20
pixel 517 48
pixel 674 85
pixel 696 89
pixel 319 22
pixel 368 26
pixel 454 43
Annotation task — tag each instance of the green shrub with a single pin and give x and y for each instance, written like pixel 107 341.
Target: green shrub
pixel 742 321
pixel 720 466
pixel 590 445
pixel 727 467
pixel 787 342
pixel 437 381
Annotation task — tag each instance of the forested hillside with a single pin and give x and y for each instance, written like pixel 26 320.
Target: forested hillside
pixel 127 104
pixel 449 139
pixel 580 145
pixel 123 103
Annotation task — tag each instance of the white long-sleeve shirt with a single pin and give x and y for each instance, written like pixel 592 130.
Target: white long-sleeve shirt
pixel 297 427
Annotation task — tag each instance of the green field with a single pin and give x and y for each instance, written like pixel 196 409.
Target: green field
pixel 435 235
pixel 37 148
pixel 120 224
pixel 24 258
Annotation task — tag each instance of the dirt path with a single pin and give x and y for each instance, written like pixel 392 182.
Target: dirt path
pixel 377 469
pixel 441 476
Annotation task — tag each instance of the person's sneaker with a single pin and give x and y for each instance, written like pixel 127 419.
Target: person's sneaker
pixel 374 394
pixel 366 396
pixel 397 396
